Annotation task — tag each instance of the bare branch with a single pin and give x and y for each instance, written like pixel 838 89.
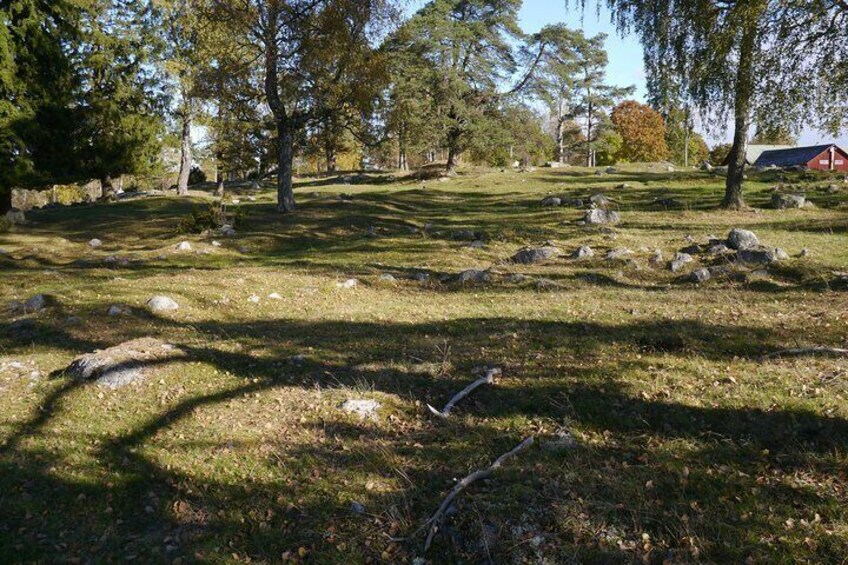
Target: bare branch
pixel 436 520
pixel 807 351
pixel 487 379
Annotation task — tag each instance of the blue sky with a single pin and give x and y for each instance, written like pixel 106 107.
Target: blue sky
pixel 625 54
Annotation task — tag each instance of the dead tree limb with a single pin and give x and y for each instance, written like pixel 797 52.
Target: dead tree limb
pixel 487 379
pixel 436 520
pixel 806 351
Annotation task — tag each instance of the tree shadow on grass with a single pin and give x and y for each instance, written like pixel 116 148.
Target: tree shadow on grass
pixel 125 500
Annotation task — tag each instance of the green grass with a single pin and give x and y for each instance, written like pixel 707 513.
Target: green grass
pixel 689 449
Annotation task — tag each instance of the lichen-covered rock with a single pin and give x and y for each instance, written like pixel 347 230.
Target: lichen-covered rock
pixel 600 216
pixel 473 276
pixel 123 364
pixel 680 261
pixel 162 304
pixel 701 275
pixel 364 408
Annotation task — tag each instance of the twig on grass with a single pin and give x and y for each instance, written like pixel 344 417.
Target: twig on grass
pixel 806 351
pixel 436 520
pixel 487 379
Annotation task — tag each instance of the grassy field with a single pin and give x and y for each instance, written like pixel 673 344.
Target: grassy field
pixel 688 447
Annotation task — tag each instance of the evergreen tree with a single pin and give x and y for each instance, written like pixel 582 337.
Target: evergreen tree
pixel 469 45
pixel 37 82
pixel 593 97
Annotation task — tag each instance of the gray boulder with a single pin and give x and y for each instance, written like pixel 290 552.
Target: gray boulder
pixel 718 249
pixel 600 216
pixel 530 255
pixel 761 256
pixel 600 200
pixel 742 239
pixel 552 201
pixel 162 304
pixel 388 277
pixel 184 246
pixel 473 276
pixel 788 201
pixel 584 252
pixel 95 243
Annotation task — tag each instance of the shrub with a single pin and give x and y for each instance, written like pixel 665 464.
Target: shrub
pixel 5 225
pixel 196 176
pixel 200 219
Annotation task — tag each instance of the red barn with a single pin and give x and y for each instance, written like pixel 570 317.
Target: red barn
pixel 818 157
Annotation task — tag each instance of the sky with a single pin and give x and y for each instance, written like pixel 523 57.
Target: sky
pixel 625 53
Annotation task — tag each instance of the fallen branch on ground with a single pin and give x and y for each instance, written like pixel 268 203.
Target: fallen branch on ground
pixel 436 520
pixel 487 379
pixel 806 351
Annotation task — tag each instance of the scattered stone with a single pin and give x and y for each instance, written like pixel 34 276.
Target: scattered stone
pixel 619 253
pixel 552 201
pixel 516 278
pixel 362 408
pixel 36 303
pixel 623 186
pixel 73 321
pixel 123 364
pixel 701 275
pixel 227 231
pixel 357 508
pixel 680 261
pixel 275 296
pixel 388 277
pixel 95 243
pixel 477 244
pixel 184 246
pixel 563 440
pixel 804 253
pixel 421 277
pixel 657 258
pixel 788 201
pixel 742 239
pixel 691 249
pixel 600 216
pixel 349 283
pixel 530 255
pixel 611 170
pixel 119 310
pixel 216 244
pixel 162 304
pixel 585 252
pixel 254 299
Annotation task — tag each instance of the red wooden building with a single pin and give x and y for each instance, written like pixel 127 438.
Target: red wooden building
pixel 818 157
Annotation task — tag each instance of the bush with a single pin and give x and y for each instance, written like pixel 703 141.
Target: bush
pixel 196 176
pixel 5 225
pixel 211 217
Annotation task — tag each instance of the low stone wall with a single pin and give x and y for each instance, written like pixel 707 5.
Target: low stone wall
pixel 65 194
